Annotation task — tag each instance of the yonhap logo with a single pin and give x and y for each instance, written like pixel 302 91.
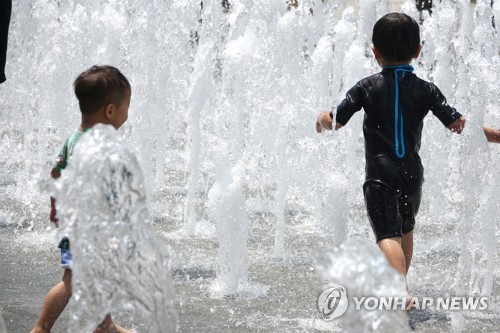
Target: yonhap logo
pixel 332 302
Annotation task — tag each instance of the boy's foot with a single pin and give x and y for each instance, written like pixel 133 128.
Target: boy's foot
pixel 410 304
pixel 39 330
pixel 108 326
pixel 111 328
pixel 120 329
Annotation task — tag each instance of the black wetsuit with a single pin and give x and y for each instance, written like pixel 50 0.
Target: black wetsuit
pixel 392 128
pixel 5 11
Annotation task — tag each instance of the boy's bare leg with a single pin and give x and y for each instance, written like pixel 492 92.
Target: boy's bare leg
pixel 393 251
pixel 407 246
pixel 398 252
pixel 55 302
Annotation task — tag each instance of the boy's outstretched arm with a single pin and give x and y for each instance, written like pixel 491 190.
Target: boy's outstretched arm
pixel 54 173
pixel 325 121
pixel 492 134
pixel 458 125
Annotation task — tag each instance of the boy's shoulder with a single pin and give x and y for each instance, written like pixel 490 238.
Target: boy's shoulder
pixel 366 84
pixel 370 78
pixel 72 137
pixel 67 148
pixel 369 82
pixel 382 77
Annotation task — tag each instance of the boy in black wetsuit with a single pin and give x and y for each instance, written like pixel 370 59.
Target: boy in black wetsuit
pixel 395 102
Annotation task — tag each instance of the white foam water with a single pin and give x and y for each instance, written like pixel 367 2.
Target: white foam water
pixel 365 272
pixel 118 262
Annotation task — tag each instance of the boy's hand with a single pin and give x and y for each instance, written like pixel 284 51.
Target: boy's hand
pixel 458 125
pixel 324 121
pixel 492 134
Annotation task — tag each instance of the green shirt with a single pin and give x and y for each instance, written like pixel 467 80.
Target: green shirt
pixel 67 149
pixel 62 162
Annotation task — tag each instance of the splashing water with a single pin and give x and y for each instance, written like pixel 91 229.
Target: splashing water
pixel 364 272
pixel 119 263
pixel 227 208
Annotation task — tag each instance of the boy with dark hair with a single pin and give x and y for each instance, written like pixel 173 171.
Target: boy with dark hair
pixel 395 102
pixel 103 93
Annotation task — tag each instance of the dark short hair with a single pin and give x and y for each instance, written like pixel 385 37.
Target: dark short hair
pixel 396 36
pixel 99 86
